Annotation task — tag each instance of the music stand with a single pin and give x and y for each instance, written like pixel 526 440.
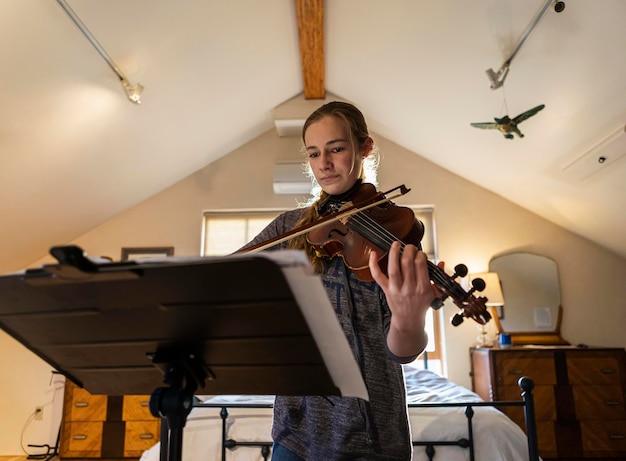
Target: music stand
pixel 229 325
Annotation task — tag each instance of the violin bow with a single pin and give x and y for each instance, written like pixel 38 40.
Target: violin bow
pixel 349 211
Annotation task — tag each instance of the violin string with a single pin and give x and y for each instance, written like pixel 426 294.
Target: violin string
pixel 377 233
pixel 384 239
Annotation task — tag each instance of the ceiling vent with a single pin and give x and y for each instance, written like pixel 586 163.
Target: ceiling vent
pixel 290 178
pixel 608 151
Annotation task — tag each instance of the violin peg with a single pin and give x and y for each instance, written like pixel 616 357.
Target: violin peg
pixel 436 303
pixel 482 318
pixel 478 284
pixel 470 305
pixel 460 270
pixel 457 319
pixel 485 317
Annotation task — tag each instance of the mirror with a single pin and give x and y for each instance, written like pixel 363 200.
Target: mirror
pixel 532 309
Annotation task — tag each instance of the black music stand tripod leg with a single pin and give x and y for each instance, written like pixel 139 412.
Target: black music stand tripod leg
pixel 184 373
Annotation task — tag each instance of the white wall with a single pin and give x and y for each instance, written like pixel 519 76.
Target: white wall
pixel 26 382
pixel 473 225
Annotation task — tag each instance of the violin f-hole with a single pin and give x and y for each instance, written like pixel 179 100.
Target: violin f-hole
pixel 335 230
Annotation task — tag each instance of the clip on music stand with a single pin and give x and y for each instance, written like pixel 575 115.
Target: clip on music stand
pixel 228 325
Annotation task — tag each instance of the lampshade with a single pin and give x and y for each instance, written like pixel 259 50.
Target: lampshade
pixel 493 289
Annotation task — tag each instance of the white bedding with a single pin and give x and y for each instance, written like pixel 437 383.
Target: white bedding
pixel 496 437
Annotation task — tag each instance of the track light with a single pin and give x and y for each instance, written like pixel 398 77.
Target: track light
pixel 497 78
pixel 133 92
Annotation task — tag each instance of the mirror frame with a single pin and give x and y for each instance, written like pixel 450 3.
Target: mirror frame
pixel 533 337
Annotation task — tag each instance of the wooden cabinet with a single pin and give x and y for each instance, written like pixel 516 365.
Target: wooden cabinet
pixel 100 426
pixel 579 396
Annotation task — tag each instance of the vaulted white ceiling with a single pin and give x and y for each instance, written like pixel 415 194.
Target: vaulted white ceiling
pixel 74 152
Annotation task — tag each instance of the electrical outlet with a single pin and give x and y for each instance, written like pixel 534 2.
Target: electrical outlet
pixel 38 413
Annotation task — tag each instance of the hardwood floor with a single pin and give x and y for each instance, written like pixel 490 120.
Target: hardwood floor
pixel 56 458
pixel 21 458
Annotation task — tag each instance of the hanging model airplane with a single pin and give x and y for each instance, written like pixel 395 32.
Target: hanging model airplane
pixel 507 125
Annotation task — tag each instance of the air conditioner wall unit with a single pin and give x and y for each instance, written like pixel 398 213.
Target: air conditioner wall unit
pixel 290 178
pixel 289 127
pixel 289 117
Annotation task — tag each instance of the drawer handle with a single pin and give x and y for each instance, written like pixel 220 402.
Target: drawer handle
pixel 516 372
pixel 79 437
pixel 608 371
pixel 146 436
pixel 616 436
pixel 145 403
pixel 611 403
pixel 81 404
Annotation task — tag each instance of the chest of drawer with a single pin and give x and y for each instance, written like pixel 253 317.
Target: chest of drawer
pixel 541 370
pixel 106 427
pixel 602 402
pixel 139 436
pixel 82 439
pixel 604 436
pixel 593 370
pixel 142 430
pixel 545 408
pixel 84 406
pixel 579 394
pixel 136 408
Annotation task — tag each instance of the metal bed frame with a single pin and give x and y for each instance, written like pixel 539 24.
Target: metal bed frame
pixel 527 402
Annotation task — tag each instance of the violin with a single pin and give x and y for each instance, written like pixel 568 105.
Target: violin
pixel 365 220
pixel 375 228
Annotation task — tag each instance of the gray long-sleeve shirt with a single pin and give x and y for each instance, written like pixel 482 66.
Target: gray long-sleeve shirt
pixel 320 428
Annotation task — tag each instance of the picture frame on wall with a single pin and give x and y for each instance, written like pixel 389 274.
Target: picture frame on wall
pixel 133 253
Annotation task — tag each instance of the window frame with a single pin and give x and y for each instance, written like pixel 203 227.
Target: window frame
pixel 231 212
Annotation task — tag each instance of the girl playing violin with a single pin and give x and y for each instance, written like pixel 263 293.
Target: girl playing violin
pixel 383 320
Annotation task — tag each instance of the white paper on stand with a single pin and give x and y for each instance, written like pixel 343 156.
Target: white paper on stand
pixel 319 314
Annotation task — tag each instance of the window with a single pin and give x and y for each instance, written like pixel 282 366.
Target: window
pixel 432 356
pixel 224 232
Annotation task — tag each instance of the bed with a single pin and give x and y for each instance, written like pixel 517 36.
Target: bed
pixel 448 422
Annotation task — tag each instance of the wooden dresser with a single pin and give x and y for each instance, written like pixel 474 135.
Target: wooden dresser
pixel 579 396
pixel 100 426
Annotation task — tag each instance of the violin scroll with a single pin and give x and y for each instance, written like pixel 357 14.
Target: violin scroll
pixel 470 305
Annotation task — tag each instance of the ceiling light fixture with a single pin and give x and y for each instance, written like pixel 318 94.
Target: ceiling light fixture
pixel 132 91
pixel 497 78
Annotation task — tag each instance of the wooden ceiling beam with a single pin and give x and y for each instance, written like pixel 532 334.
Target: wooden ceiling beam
pixel 310 16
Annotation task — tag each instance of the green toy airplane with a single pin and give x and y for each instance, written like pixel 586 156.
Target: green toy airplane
pixel 507 125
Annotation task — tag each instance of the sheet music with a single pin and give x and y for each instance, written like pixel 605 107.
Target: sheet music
pixel 320 316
